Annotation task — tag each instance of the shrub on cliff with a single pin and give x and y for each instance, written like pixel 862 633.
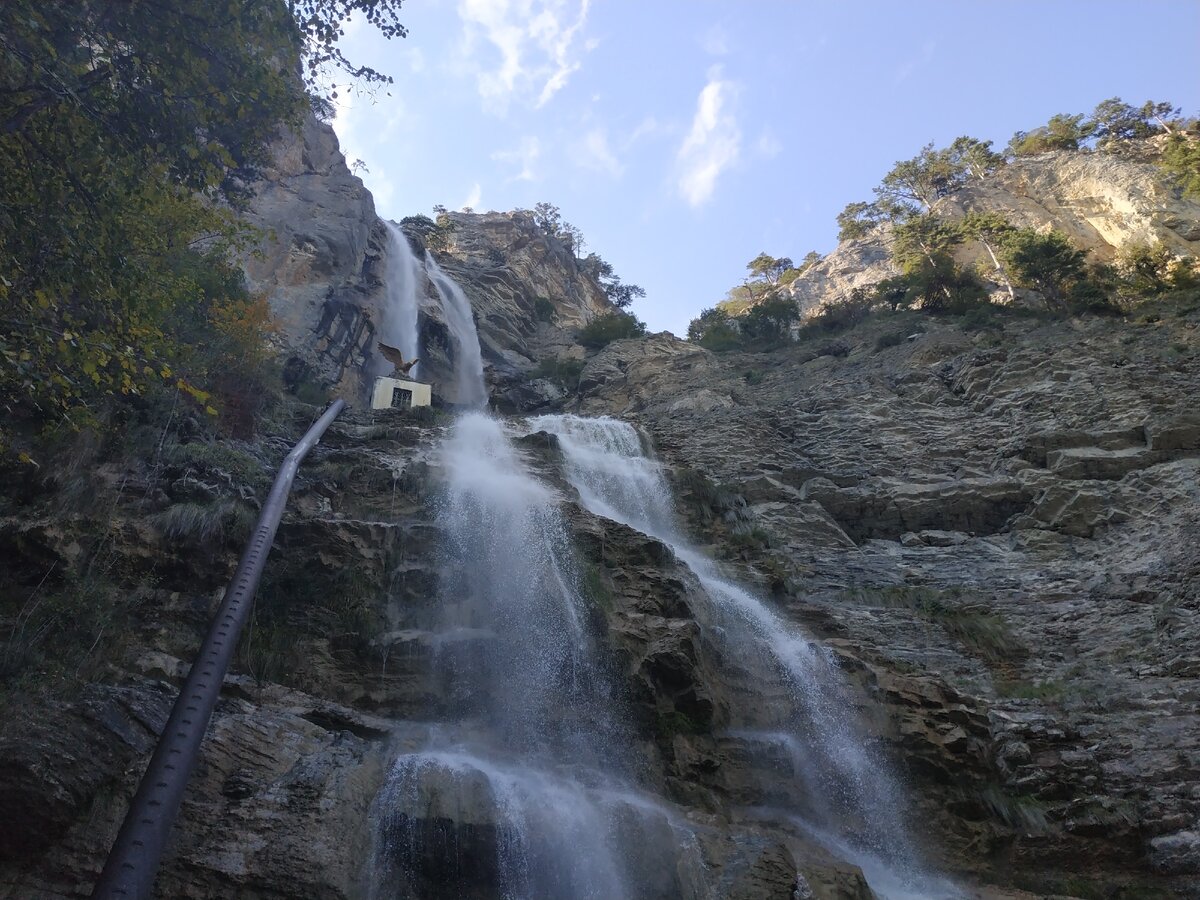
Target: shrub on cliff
pixel 613 326
pixel 129 135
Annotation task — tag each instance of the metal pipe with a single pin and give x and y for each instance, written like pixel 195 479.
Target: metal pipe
pixel 133 861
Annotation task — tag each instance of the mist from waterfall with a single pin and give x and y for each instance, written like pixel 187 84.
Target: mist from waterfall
pixel 402 276
pixel 468 360
pixel 528 786
pixel 859 801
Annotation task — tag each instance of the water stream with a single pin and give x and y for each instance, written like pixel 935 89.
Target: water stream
pixel 468 362
pixel 398 325
pixel 529 787
pixel 860 802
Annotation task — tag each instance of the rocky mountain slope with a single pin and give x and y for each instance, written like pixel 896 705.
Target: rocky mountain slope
pixel 1103 201
pixel 995 529
pixel 991 523
pixel 323 263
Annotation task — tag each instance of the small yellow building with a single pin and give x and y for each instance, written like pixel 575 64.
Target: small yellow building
pixel 397 393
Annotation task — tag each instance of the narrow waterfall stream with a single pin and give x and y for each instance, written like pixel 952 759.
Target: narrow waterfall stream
pixel 533 754
pixel 468 362
pixel 859 813
pixel 399 326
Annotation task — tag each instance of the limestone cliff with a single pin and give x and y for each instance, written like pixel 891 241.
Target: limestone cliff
pixel 995 530
pixel 1103 201
pixel 323 263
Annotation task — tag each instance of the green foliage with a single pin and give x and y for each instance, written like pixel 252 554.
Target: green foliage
pixel 768 268
pixel 1047 263
pixel 857 220
pixel 1022 812
pixel 914 185
pixel 1146 271
pixel 129 134
pixel 1062 132
pixel 769 323
pixel 715 330
pixel 613 326
pixel 973 156
pixel 891 339
pixel 985 633
pixel 563 370
pixel 543 309
pixel 1114 120
pixel 1181 160
pixel 839 316
pixel 205 526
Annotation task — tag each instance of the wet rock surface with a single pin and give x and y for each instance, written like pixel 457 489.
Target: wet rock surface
pixel 995 530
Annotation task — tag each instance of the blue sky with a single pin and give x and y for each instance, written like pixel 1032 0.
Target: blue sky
pixel 685 136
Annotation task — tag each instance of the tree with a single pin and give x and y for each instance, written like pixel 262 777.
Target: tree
pixel 1047 263
pixel 714 329
pixel 609 327
pixel 768 268
pixel 914 185
pixel 621 295
pixel 1181 161
pixel 1114 120
pixel 548 218
pixel 1062 132
pixel 129 133
pixel 973 156
pixel 1166 115
pixel 768 324
pixel 990 229
pixel 858 219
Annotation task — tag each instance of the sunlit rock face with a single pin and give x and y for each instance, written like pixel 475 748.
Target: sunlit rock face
pixel 327 264
pixel 1102 201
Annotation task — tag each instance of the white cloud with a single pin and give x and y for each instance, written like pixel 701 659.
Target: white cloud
pixel 712 145
pixel 475 195
pixel 525 154
pixel 594 153
pixel 767 146
pixel 538 43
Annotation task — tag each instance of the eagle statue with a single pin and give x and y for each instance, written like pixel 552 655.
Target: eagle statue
pixel 396 358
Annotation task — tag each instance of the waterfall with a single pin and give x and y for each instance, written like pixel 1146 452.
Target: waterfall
pixel 398 326
pixel 468 361
pixel 859 810
pixel 528 786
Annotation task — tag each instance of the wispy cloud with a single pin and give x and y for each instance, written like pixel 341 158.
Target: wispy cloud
pixel 524 155
pixel 914 62
pixel 539 42
pixel 594 152
pixel 713 144
pixel 475 195
pixel 715 41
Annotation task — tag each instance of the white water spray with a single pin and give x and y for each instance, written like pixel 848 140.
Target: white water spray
pixel 468 361
pixel 403 274
pixel 606 464
pixel 532 792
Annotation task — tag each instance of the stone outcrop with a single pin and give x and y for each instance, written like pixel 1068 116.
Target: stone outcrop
pixel 1102 201
pixel 319 237
pixel 994 530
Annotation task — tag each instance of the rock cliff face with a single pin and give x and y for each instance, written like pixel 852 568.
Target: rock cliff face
pixel 323 261
pixel 993 528
pixel 1102 201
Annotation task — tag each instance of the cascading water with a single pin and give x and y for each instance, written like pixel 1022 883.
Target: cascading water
pixel 858 811
pixel 403 276
pixel 468 363
pixel 528 787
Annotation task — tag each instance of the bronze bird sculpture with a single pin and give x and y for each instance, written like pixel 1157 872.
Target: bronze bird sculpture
pixel 396 358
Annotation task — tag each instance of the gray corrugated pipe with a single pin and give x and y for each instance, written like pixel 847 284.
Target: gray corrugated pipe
pixel 133 861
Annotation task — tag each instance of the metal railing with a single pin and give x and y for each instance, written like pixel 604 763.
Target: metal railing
pixel 133 861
